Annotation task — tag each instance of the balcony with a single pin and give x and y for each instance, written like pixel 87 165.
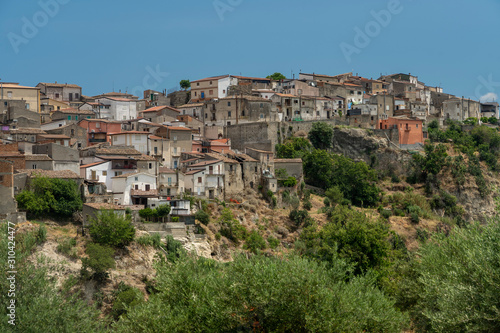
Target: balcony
pixel 128 166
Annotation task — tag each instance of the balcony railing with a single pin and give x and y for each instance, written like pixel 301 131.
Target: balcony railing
pixel 124 166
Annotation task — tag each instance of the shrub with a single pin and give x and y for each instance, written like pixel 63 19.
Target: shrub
pixel 414 218
pixel 50 196
pixel 273 242
pixel 111 229
pixel 299 217
pixel 162 211
pixel 456 280
pixel 386 213
pixel 66 246
pixel 124 300
pixel 307 205
pixel 146 213
pixel 41 235
pixel 175 219
pixel 327 202
pixel 173 248
pixel 255 242
pixel 99 260
pixel 260 294
pixel 202 216
pixel 289 182
pixel 150 240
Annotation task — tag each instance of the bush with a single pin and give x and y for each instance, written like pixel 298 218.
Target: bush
pixel 150 240
pixel 307 205
pixel 175 219
pixel 41 235
pixel 202 216
pixel 299 217
pixel 50 196
pixel 255 242
pixel 414 218
pixel 321 135
pixel 260 294
pixel 66 246
pixel 327 202
pixel 146 213
pixel 457 281
pixel 230 227
pixel 273 242
pixel 173 248
pixel 162 211
pixel 289 182
pixel 386 213
pixel 111 229
pixel 99 260
pixel 126 299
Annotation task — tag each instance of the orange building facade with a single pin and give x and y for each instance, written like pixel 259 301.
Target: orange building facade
pixel 410 129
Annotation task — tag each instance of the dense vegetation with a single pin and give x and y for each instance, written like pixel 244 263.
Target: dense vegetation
pixel 44 196
pixel 351 274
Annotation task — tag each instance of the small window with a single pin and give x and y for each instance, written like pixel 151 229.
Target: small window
pixel 416 125
pixel 1 178
pixel 199 180
pixel 210 92
pixel 151 165
pixel 9 94
pixel 228 103
pixel 34 166
pixel 69 117
pixel 136 179
pixel 229 114
pixel 57 95
pixel 104 173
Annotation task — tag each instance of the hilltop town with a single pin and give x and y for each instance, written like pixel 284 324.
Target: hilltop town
pixel 212 139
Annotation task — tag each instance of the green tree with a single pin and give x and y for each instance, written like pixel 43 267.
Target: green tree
pixel 352 237
pixel 99 259
pixel 458 281
pixel 356 180
pixel 293 148
pixel 109 228
pixel 321 135
pixel 260 294
pixel 202 216
pixel 40 305
pixel 276 76
pixel 185 84
pixel 48 196
pixel 255 242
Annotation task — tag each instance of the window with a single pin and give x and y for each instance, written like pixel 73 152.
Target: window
pixel 57 95
pixel 195 93
pixel 76 117
pixel 228 103
pixel 104 173
pixel 210 82
pixel 118 173
pixel 148 187
pixel 136 187
pixel 34 166
pixel 229 113
pixel 228 123
pixel 416 126
pixel 210 92
pixel 261 105
pixel 69 117
pixel 72 132
pixel 206 115
pixel 115 138
pixel 303 103
pixel 27 106
pixel 151 165
pixel 1 178
pixel 9 94
pixel 224 91
pixel 77 96
pixel 169 180
pixel 88 117
pixel 98 125
pixel 199 180
pixel 197 84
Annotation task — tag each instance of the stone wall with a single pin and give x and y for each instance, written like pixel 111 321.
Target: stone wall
pixel 180 97
pixel 8 204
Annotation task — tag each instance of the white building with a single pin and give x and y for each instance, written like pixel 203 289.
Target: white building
pixel 134 188
pixel 114 108
pixel 137 139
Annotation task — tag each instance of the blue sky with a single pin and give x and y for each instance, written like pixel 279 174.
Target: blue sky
pixel 104 44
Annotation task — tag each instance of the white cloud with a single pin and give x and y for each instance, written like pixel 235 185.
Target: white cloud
pixel 489 97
